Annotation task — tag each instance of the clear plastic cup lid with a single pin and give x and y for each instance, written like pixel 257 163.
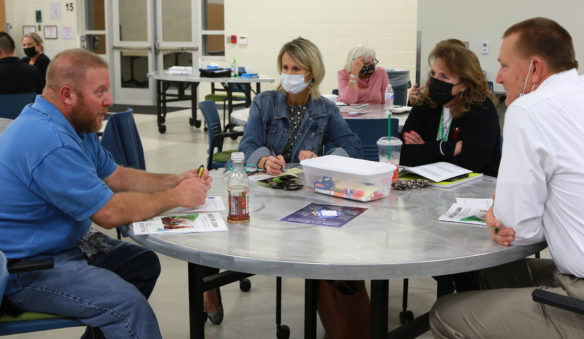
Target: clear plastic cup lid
pixel 383 141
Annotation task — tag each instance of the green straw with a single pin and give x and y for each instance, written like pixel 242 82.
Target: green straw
pixel 389 135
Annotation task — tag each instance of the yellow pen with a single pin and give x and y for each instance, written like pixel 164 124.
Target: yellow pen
pixel 201 170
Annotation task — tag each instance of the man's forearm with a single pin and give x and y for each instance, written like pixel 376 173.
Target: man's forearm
pixel 127 207
pixel 133 180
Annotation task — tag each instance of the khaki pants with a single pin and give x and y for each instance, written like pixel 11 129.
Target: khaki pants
pixel 504 309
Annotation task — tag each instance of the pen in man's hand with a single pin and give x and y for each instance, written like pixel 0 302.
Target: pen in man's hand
pixel 201 170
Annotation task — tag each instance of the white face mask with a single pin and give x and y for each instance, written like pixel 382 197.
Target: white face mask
pixel 527 77
pixel 293 84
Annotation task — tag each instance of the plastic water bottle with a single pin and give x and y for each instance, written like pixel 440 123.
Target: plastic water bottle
pixel 388 99
pixel 235 69
pixel 238 190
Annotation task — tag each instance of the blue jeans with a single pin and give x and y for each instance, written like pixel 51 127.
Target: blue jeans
pixel 108 291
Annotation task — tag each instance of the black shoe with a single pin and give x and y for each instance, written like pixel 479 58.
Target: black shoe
pixel 216 317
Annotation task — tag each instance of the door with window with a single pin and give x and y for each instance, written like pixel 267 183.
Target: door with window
pixel 150 35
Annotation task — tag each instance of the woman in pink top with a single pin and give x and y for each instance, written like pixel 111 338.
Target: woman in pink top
pixel 361 82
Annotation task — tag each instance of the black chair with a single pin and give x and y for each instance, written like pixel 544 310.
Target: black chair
pixel 558 300
pixel 31 321
pixel 217 156
pixel 12 104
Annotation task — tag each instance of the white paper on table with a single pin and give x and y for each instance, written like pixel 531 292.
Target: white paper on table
pixel 476 203
pixel 180 70
pixel 340 103
pixel 438 171
pixel 400 109
pixel 212 204
pixel 189 223
pixel 463 214
pixel 260 176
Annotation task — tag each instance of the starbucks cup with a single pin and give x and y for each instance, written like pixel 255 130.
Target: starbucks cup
pixel 389 151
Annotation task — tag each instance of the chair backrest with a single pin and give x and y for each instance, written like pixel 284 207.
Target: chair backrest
pixel 12 104
pixel 369 131
pixel 122 140
pixel 213 124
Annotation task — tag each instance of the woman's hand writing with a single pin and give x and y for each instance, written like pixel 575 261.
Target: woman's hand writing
pixel 274 164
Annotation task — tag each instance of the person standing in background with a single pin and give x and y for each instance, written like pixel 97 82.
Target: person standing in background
pixel 32 43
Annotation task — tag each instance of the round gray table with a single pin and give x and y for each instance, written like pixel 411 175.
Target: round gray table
pixel 397 237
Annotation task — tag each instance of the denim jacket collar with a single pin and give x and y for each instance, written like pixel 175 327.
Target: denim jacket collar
pixel 316 108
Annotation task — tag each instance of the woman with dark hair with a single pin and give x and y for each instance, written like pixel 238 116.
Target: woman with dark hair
pixel 454 118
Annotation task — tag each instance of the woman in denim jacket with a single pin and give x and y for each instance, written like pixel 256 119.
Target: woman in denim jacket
pixel 294 122
pixel 291 124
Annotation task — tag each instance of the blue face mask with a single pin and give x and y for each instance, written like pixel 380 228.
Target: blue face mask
pixel 293 84
pixel 527 77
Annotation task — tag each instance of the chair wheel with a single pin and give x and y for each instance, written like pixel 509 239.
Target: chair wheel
pixel 233 137
pixel 245 285
pixel 406 317
pixel 283 332
pixel 192 121
pixel 162 129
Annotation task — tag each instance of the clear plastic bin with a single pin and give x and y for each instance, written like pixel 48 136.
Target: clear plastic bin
pixel 348 178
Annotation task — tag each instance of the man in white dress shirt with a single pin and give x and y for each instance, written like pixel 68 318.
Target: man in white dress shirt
pixel 539 195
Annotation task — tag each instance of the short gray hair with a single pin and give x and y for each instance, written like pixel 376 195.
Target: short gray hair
pixel 356 52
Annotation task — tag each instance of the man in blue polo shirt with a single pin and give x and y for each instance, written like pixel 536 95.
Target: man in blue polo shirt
pixel 56 179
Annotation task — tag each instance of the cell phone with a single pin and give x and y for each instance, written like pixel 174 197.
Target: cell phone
pixel 285 178
pixel 266 182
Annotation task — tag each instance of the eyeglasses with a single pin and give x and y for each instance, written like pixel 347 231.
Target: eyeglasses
pixel 374 62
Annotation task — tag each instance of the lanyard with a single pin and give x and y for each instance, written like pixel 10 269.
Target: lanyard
pixel 442 134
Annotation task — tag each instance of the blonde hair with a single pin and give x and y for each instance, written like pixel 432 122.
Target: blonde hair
pixel 356 52
pixel 463 63
pixel 37 40
pixel 307 56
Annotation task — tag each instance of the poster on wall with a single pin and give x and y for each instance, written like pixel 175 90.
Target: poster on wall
pixel 68 32
pixel 50 32
pixel 28 29
pixel 55 11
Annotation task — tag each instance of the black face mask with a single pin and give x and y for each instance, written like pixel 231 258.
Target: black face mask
pixel 367 71
pixel 30 52
pixel 440 91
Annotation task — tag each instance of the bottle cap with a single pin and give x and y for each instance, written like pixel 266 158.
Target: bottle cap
pixel 237 156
